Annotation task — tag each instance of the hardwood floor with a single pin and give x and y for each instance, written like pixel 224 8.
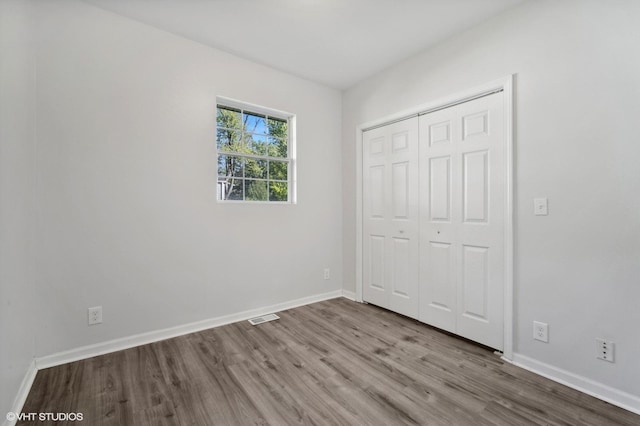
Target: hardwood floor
pixel 333 362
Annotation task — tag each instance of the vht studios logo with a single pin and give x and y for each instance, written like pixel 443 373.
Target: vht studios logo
pixel 43 417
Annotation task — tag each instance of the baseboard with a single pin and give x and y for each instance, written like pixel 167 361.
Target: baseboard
pixel 601 391
pixel 349 295
pixel 606 393
pixel 23 392
pixel 168 333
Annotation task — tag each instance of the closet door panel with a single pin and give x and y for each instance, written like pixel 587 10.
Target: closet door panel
pixel 462 175
pixel 390 210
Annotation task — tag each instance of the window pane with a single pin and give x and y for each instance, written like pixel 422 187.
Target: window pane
pixel 255 169
pixel 229 189
pixel 278 191
pixel 278 170
pixel 229 140
pixel 229 118
pixel 256 144
pixel 230 166
pixel 255 190
pixel 277 127
pixel 278 137
pixel 255 123
pixel 277 147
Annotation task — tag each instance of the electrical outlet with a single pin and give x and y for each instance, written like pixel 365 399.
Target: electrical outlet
pixel 327 273
pixel 95 315
pixel 605 349
pixel 540 206
pixel 541 331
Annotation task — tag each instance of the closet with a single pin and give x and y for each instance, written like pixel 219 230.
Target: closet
pixel 433 218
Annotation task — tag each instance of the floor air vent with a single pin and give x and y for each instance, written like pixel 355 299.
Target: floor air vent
pixel 264 318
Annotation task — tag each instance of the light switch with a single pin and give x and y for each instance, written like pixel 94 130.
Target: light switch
pixel 540 207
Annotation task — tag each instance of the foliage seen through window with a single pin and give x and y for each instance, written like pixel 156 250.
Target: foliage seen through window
pixel 253 156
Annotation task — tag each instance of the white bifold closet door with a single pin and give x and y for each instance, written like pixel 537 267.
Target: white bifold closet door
pixel 462 193
pixel 390 217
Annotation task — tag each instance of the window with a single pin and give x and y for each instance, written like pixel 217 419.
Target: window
pixel 255 161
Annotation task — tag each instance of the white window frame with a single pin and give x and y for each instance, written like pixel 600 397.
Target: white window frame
pixel 291 149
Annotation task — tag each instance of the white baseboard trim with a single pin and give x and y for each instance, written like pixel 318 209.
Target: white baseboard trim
pixel 613 396
pixel 596 389
pixel 349 295
pixel 102 348
pixel 23 392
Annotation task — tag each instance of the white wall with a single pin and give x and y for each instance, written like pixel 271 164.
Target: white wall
pixel 577 109
pixel 17 85
pixel 127 217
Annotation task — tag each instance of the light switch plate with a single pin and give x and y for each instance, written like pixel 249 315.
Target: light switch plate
pixel 540 207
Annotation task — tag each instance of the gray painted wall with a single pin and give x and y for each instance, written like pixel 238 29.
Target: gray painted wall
pixel 17 213
pixel 577 103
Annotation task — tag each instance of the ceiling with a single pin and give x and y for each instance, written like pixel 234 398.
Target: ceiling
pixel 334 42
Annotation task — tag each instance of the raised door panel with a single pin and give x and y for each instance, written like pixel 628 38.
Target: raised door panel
pixel 475 124
pixel 400 267
pixel 400 186
pixel 377 256
pixel 475 190
pixel 439 133
pixel 400 141
pixel 481 295
pixel 438 301
pixel 474 283
pixel 440 189
pixel 375 273
pixel 376 192
pixel 404 275
pixel 376 146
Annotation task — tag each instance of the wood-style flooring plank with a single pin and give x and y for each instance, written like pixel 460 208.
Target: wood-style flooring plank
pixel 330 363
